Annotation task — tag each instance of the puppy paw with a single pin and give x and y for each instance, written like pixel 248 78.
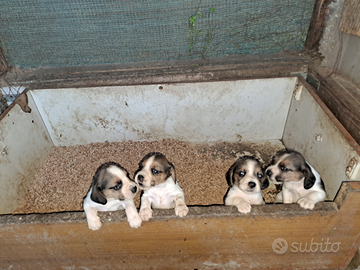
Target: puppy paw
pixel 244 207
pixel 278 198
pixel 145 214
pixel 181 210
pixel 135 221
pixel 306 203
pixel 94 224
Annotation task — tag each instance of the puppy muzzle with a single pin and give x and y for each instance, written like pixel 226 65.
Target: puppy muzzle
pixel 140 182
pixel 274 178
pixel 140 179
pixel 278 179
pixel 251 187
pixel 252 184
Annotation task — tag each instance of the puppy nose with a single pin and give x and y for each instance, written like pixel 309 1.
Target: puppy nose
pixel 252 184
pixel 134 189
pixel 269 173
pixel 140 178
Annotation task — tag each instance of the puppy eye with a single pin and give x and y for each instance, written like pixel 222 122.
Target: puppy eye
pixel 284 169
pixel 242 173
pixel 118 186
pixel 259 175
pixel 154 171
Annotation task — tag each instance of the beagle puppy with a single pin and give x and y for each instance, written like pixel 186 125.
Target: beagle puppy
pixel 246 179
pixel 301 183
pixel 111 190
pixel 157 178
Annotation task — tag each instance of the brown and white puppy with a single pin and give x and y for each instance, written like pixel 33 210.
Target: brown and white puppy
pixel 157 178
pixel 301 183
pixel 245 178
pixel 111 190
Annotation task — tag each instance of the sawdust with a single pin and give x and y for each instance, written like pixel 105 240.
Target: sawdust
pixel 65 176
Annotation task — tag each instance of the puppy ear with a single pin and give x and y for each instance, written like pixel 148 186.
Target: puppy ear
pixel 172 171
pixel 229 175
pixel 97 195
pixel 310 178
pixel 97 188
pixel 264 182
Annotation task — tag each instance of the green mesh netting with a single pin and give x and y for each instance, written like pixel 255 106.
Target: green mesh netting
pixel 57 33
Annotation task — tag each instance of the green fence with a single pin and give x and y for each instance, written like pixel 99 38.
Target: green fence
pixel 52 33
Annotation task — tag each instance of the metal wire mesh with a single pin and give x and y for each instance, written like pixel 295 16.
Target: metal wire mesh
pixel 8 95
pixel 44 33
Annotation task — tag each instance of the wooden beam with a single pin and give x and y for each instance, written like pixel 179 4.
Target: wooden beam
pixel 215 237
pixel 317 25
pixel 228 68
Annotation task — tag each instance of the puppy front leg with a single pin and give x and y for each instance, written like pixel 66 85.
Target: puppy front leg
pixel 181 209
pixel 309 201
pixel 145 209
pixel 289 196
pixel 242 206
pixel 279 198
pixel 93 219
pixel 132 214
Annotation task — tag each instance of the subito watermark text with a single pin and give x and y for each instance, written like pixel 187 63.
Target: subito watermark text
pixel 281 246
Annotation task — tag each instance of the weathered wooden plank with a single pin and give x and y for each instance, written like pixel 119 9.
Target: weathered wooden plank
pixel 350 19
pixel 215 237
pixel 229 68
pixel 344 132
pixel 317 24
pixel 342 99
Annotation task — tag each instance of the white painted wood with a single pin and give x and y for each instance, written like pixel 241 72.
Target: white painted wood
pixel 195 112
pixel 24 144
pixel 310 131
pixel 251 110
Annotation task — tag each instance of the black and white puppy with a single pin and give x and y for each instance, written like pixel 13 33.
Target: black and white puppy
pixel 245 178
pixel 157 178
pixel 111 190
pixel 301 183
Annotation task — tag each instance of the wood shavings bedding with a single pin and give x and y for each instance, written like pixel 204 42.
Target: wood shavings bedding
pixel 65 176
